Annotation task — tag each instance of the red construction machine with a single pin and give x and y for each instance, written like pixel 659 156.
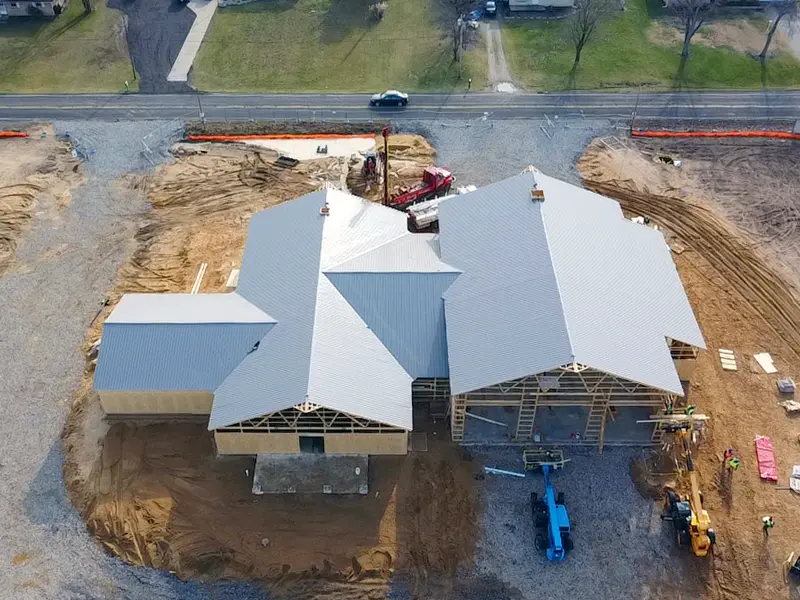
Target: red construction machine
pixel 435 182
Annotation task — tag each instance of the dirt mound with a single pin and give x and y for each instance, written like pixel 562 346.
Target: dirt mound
pixel 652 473
pixel 36 173
pixel 157 496
pixel 643 188
pixel 281 127
pixel 742 304
pixel 408 157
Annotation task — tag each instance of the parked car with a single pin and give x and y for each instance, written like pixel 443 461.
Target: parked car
pixel 491 8
pixel 389 98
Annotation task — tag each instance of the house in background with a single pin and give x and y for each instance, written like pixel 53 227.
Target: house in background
pixel 539 310
pixel 32 8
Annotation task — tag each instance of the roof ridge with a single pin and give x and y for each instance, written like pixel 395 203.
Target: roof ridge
pixel 352 258
pixel 555 274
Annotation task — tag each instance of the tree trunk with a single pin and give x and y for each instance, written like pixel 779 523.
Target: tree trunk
pixel 763 56
pixel 578 50
pixel 87 6
pixel 686 39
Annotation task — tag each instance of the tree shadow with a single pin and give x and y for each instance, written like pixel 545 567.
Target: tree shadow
pixel 764 75
pixel 572 79
pixel 66 26
pixel 344 17
pixel 273 6
pixel 680 82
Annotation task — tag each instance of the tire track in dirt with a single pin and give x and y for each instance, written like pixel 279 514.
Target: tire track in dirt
pixel 735 260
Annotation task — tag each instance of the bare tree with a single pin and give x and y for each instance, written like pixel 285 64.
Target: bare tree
pixel 784 9
pixel 693 14
pixel 583 23
pixel 454 12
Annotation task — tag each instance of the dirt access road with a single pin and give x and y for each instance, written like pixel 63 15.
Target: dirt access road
pixel 742 303
pixel 499 73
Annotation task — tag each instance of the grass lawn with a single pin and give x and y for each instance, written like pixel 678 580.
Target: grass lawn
pixel 330 45
pixel 74 52
pixel 621 56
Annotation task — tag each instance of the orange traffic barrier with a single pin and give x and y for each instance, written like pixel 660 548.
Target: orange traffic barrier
pixel 782 135
pixel 277 136
pixel 13 134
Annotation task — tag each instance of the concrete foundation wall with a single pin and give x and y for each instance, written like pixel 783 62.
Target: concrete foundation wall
pixel 156 402
pixel 366 443
pixel 257 443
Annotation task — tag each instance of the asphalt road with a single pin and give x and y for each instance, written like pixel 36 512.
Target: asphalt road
pixel 665 105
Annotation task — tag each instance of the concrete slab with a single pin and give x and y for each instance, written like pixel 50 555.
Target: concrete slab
pixel 204 9
pixel 311 474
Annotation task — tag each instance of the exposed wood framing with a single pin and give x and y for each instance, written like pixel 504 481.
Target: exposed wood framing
pixel 457 416
pixel 596 423
pixel 681 351
pixel 568 387
pixel 572 385
pixel 430 390
pixel 527 415
pixel 321 420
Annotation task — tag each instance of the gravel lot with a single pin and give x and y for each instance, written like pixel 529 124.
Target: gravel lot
pixel 47 310
pixel 622 549
pixel 67 267
pixel 480 152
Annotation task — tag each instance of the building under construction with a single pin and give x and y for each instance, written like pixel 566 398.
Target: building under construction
pixel 537 312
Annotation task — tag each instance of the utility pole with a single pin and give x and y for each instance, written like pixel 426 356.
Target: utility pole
pixel 386 166
pixel 200 106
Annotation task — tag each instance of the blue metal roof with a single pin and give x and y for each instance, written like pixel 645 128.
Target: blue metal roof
pixel 172 356
pixel 406 312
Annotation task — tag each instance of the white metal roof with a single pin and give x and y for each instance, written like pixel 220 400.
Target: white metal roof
pixel 321 349
pixel 566 279
pixel 186 308
pixel 351 307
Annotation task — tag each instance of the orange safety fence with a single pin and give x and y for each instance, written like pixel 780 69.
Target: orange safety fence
pixel 783 135
pixel 278 136
pixel 13 134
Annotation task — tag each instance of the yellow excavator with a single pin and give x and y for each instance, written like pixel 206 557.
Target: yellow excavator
pixel 691 520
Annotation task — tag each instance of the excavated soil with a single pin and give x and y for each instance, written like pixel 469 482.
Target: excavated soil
pixel 742 304
pixel 156 495
pixel 36 176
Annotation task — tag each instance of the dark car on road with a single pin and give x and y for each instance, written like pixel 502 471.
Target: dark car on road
pixel 389 98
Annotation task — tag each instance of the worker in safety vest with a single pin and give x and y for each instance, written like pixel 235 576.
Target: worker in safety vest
pixel 689 410
pixel 733 463
pixel 768 524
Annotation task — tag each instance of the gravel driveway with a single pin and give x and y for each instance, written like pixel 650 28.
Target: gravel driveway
pixel 47 311
pixel 622 549
pixel 156 31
